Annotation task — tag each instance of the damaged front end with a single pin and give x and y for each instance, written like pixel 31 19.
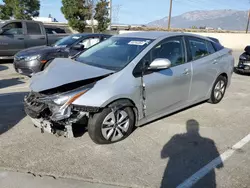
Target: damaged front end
pixel 55 113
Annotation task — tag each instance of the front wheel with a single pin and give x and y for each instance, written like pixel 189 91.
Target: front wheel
pixel 218 90
pixel 111 126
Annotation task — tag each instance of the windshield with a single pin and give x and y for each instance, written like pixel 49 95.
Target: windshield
pixel 114 53
pixel 67 41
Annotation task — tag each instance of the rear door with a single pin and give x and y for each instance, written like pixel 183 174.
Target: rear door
pixel 12 38
pixel 35 36
pixel 204 65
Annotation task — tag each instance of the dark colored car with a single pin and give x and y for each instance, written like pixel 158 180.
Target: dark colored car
pixel 36 59
pixel 244 62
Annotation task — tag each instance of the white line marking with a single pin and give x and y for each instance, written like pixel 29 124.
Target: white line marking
pixel 210 166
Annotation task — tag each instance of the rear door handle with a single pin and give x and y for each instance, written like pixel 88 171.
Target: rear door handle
pixel 215 62
pixel 186 72
pixel 42 38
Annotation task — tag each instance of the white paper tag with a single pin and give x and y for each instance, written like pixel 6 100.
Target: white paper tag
pixel 75 37
pixel 138 43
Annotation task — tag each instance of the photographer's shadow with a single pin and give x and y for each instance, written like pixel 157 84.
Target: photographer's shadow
pixel 187 154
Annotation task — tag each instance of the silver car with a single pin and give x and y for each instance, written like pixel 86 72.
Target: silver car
pixel 127 81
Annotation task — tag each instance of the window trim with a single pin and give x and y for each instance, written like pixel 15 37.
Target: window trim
pixel 189 47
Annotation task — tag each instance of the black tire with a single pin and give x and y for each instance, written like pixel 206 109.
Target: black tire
pixel 95 124
pixel 213 99
pixel 47 64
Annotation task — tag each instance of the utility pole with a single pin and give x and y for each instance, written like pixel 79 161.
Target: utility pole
pixel 110 13
pixel 91 5
pixel 248 21
pixel 170 13
pixel 92 16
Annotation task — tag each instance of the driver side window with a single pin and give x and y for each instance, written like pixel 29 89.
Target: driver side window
pixel 171 49
pixel 14 28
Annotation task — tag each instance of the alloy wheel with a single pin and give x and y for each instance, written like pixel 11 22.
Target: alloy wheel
pixel 115 125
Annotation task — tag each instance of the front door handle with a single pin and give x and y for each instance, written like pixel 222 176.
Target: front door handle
pixel 186 72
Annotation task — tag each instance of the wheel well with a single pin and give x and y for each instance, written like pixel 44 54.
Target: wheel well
pixel 124 102
pixel 224 75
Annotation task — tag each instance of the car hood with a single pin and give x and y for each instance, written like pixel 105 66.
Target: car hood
pixel 39 50
pixel 63 71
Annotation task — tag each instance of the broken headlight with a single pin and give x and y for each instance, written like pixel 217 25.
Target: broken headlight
pixel 61 100
pixel 59 105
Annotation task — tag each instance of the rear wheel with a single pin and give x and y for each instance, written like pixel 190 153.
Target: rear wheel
pixel 218 90
pixel 111 126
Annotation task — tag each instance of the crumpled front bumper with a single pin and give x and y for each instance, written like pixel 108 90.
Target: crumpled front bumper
pixel 52 119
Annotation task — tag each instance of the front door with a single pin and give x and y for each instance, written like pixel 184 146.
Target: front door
pixel 168 89
pixel 11 39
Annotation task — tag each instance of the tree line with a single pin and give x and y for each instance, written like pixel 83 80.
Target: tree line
pixel 77 12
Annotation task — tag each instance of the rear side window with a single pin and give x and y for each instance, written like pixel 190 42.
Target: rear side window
pixel 217 46
pixel 198 48
pixel 210 48
pixel 33 29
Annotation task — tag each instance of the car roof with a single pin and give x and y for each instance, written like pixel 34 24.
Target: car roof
pixel 158 34
pixel 89 34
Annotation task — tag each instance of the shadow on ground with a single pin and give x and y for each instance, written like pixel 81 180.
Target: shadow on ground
pixel 6 61
pixel 187 154
pixel 3 67
pixel 10 82
pixel 12 111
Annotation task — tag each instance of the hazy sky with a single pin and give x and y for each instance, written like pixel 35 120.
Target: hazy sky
pixel 144 11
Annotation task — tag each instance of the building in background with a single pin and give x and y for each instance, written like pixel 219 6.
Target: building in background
pixel 45 19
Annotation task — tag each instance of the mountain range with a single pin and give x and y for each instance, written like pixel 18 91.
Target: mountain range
pixel 224 19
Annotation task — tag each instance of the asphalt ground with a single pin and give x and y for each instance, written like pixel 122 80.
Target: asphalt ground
pixel 161 153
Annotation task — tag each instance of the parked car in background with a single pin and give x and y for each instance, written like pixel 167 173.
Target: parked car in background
pixel 243 66
pixel 36 59
pixel 127 81
pixel 16 35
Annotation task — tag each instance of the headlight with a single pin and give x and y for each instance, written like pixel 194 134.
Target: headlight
pixel 61 100
pixel 30 58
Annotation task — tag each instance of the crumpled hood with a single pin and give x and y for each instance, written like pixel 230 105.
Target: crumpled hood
pixel 39 50
pixel 63 71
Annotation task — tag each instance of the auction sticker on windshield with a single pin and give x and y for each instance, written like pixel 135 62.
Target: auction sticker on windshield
pixel 139 43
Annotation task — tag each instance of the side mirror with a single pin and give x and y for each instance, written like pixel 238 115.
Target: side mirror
pixel 78 47
pixel 160 63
